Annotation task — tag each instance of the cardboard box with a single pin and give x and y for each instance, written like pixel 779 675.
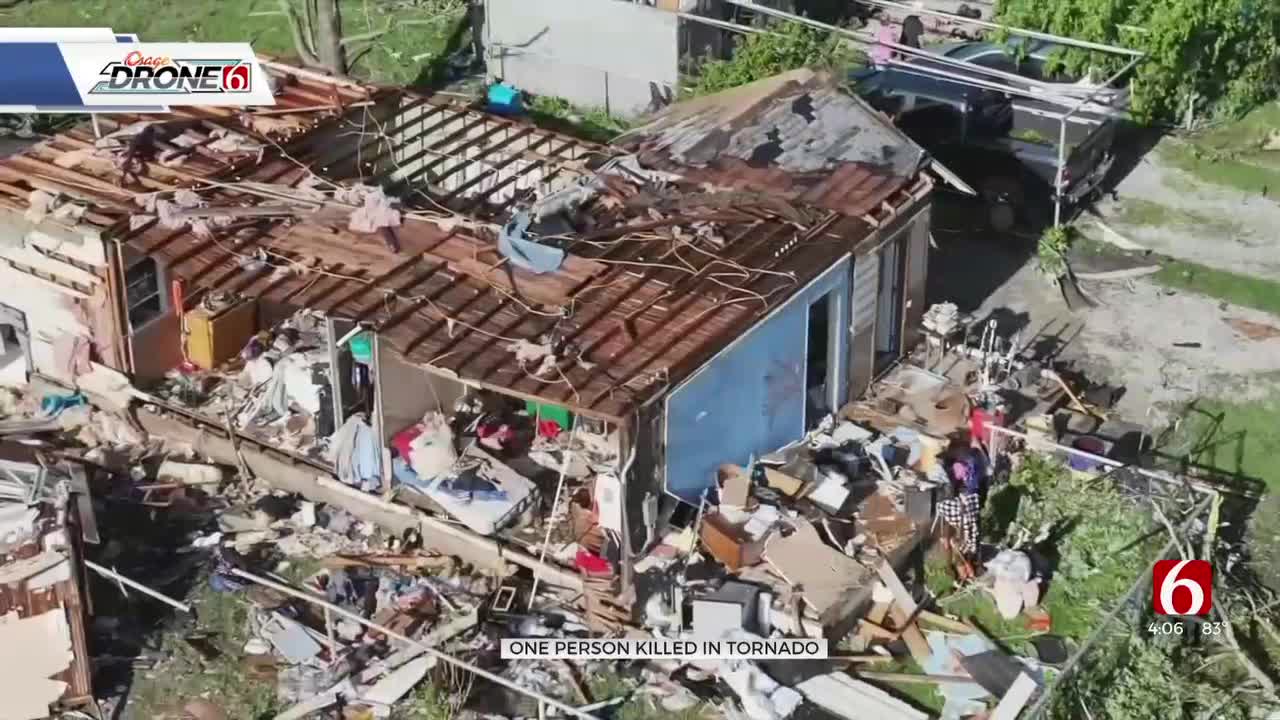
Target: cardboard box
pixel 729 543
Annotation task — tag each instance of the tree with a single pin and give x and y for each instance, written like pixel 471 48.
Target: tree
pixel 318 29
pixel 317 34
pixel 781 47
pixel 1222 56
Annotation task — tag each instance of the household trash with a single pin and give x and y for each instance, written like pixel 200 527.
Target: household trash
pixel 1012 584
pixel 53 405
pixel 527 254
pixel 354 450
pixel 481 492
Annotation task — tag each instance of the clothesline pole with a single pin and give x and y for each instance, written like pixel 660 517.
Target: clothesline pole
pixel 555 506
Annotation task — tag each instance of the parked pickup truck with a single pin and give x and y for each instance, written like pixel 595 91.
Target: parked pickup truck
pixel 1005 147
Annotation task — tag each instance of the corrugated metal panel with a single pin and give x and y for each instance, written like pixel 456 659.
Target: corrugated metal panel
pixel 866 285
pixel 797 135
pixel 749 399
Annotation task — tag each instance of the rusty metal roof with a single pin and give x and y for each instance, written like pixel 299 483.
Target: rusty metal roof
pixel 655 282
pixel 797 135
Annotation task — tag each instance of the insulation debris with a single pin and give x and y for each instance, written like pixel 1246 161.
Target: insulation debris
pixel 374 209
pixel 537 358
pixel 232 143
pixel 59 207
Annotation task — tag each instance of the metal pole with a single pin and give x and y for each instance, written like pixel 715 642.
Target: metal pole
pixel 907 50
pixel 379 428
pixel 137 586
pixel 1062 163
pixel 328 630
pixel 555 506
pixel 1197 486
pixel 97 129
pixel 1062 135
pixel 913 10
pixel 406 639
pixel 735 27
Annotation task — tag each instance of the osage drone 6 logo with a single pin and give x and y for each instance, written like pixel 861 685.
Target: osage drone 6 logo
pixel 139 74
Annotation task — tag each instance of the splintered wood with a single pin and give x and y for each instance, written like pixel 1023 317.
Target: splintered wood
pixel 604 613
pixel 894 603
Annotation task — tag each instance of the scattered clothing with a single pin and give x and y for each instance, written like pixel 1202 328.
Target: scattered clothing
pixel 494 437
pixel 356 454
pixel 474 480
pixel 549 429
pixel 961 513
pixel 592 564
pixel 53 405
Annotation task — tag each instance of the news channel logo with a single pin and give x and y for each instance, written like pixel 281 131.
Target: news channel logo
pixel 1182 587
pixel 159 74
pixel 78 70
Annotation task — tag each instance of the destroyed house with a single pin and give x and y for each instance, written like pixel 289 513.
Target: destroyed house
pixel 45 517
pixel 328 278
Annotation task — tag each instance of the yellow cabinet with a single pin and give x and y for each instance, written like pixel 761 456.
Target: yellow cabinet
pixel 213 337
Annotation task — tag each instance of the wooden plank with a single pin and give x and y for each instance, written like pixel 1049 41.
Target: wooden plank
pixel 911 635
pixel 900 593
pixel 875 617
pixel 903 612
pixel 915 679
pixel 946 623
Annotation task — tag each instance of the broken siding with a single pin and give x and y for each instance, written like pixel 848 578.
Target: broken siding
pixel 565 48
pixel 917 278
pixel 749 399
pixel 27 599
pixel 866 287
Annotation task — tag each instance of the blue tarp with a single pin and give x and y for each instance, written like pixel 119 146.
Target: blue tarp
pixel 532 256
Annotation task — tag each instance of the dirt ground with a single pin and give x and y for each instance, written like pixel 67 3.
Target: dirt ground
pixel 1128 339
pixel 1174 213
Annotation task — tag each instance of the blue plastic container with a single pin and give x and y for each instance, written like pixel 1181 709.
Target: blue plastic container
pixel 504 100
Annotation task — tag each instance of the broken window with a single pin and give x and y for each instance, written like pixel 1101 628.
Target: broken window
pixel 143 295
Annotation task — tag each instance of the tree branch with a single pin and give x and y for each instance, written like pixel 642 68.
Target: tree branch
pixel 1228 634
pixel 352 39
pixel 373 34
pixel 309 24
pixel 300 39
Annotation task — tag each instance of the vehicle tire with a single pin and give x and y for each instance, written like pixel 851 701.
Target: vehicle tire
pixel 1003 196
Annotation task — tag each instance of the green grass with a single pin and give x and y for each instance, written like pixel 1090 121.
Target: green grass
pixel 418 30
pixel 608 685
pixel 426 702
pixel 1244 290
pixel 1243 154
pixel 1234 438
pixel 925 696
pixel 1139 211
pixel 590 123
pixel 183 676
pixel 1238 441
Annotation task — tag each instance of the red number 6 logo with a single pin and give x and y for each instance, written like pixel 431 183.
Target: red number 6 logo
pixel 1182 587
pixel 235 78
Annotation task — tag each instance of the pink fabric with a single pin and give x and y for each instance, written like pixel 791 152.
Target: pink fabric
pixel 71 353
pixel 881 54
